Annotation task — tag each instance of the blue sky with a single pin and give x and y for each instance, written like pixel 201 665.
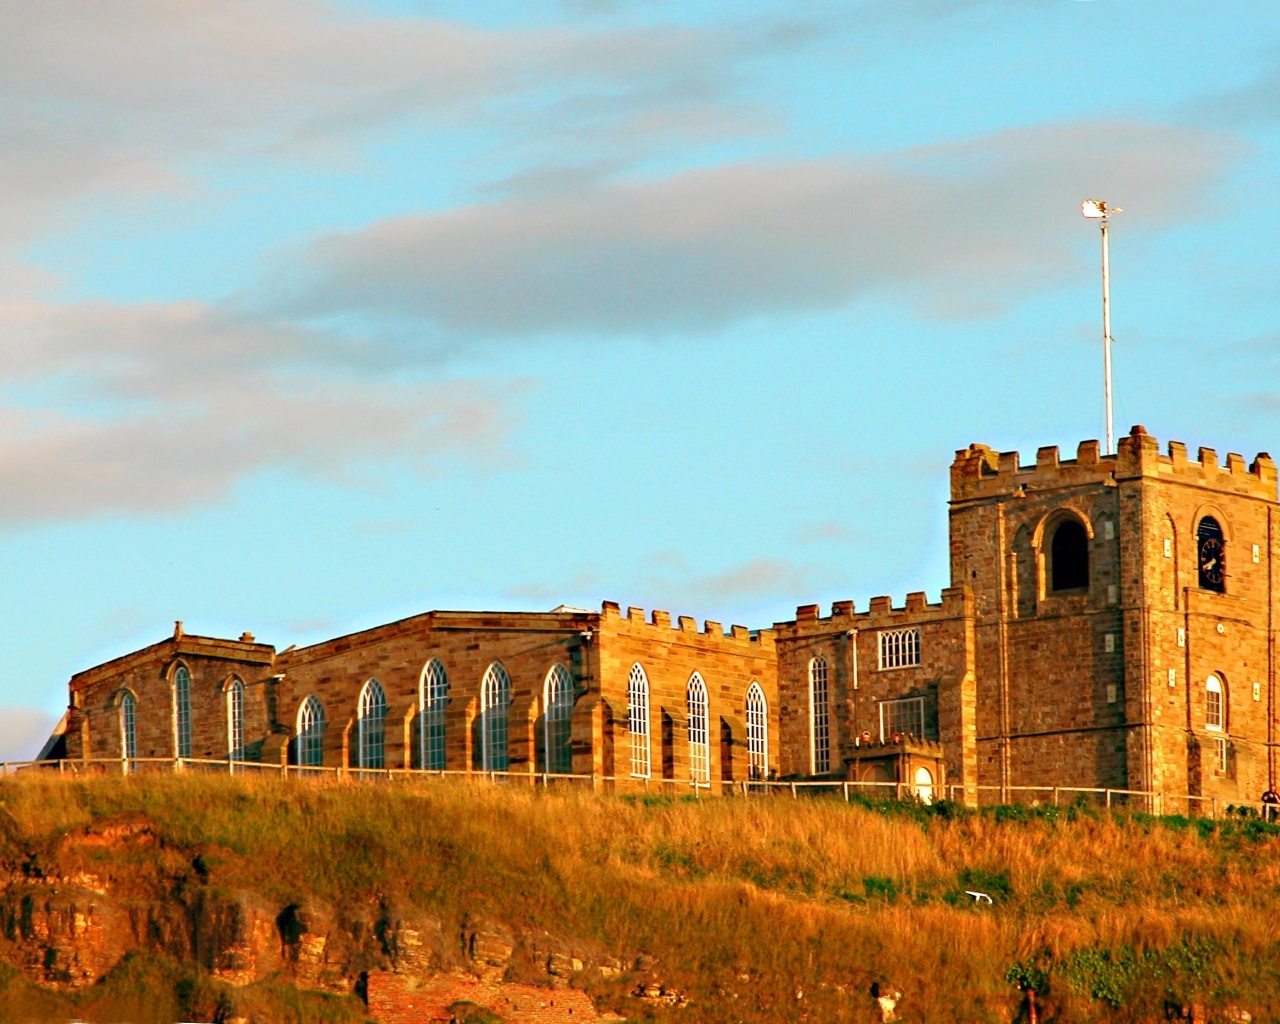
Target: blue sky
pixel 318 314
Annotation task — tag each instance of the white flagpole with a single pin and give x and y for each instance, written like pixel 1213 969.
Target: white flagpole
pixel 1106 337
pixel 1096 209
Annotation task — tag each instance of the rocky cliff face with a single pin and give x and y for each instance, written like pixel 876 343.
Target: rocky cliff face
pixel 72 910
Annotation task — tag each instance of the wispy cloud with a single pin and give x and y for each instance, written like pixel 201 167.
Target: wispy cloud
pixel 826 532
pixel 159 408
pixel 957 230
pixel 146 407
pixel 126 97
pixel 23 731
pixel 766 576
pixel 1257 102
pixel 586 582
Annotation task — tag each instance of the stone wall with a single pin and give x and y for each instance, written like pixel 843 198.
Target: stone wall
pixel 1177 627
pixel 528 645
pixel 1102 685
pixel 857 684
pixel 1074 688
pixel 94 723
pixel 729 662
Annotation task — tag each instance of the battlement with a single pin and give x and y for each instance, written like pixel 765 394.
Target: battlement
pixel 956 602
pixel 978 472
pixel 659 622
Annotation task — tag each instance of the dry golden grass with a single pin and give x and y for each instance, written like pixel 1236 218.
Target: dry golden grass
pixel 744 902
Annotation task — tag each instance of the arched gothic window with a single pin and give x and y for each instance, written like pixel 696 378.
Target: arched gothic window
pixel 182 710
pixel 1215 705
pixel 495 700
pixel 311 732
pixel 128 726
pixel 1211 551
pixel 1069 556
pixel 757 733
pixel 699 727
pixel 433 700
pixel 372 726
pixel 235 720
pixel 557 722
pixel 819 717
pixel 638 721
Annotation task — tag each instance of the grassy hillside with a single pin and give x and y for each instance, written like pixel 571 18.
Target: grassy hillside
pixel 755 910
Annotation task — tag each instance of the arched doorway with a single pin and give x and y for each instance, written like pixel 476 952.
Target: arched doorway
pixel 923 782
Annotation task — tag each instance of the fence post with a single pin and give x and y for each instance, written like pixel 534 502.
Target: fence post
pixel 897 790
pixel 1108 792
pixel 1215 808
pixel 793 791
pixel 1055 796
pixel 845 787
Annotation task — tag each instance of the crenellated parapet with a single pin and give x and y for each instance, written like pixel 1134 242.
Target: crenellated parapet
pixel 1140 455
pixel 981 472
pixel 978 472
pixel 955 603
pixel 659 626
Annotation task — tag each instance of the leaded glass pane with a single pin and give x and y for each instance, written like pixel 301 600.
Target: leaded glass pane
pixel 434 702
pixel 235 720
pixel 819 716
pixel 638 721
pixel 373 714
pixel 558 722
pixel 311 732
pixel 757 733
pixel 182 710
pixel 495 699
pixel 128 726
pixel 699 750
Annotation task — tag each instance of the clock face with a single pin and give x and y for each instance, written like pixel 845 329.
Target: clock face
pixel 1212 562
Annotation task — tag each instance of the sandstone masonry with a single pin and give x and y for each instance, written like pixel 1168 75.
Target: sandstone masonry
pixel 1110 623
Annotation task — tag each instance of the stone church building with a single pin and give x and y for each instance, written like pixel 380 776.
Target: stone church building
pixel 1110 623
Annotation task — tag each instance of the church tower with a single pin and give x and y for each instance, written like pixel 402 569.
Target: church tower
pixel 1124 617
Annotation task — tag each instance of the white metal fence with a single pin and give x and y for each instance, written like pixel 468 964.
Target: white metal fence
pixel 1145 801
